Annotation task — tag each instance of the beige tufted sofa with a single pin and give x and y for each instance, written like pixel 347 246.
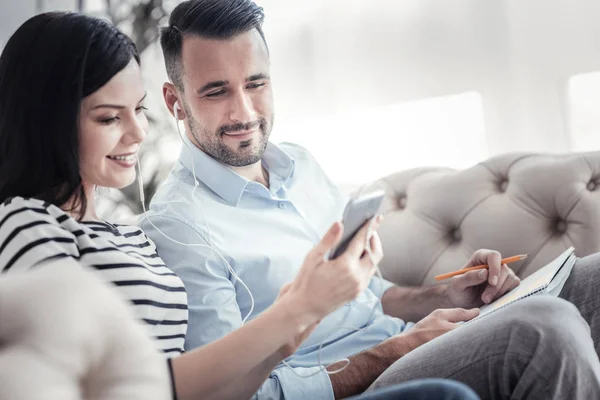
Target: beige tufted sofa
pixel 435 219
pixel 514 203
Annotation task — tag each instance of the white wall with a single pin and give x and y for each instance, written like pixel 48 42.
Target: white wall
pixel 518 54
pixel 498 70
pixel 14 12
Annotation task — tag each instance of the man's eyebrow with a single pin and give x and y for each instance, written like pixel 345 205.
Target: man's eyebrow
pixel 257 77
pixel 212 85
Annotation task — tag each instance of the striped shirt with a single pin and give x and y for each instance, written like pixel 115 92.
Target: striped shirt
pixel 33 232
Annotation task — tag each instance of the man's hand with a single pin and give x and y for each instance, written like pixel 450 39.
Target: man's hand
pixel 435 324
pixel 476 288
pixel 366 366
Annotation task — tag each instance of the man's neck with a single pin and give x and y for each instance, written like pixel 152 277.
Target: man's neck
pixel 254 172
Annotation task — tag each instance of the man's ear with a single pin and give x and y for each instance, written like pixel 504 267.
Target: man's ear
pixel 171 96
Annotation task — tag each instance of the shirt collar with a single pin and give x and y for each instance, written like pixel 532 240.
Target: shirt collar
pixel 228 184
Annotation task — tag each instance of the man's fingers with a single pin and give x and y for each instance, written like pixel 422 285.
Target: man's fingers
pixel 492 292
pixel 490 257
pixel 511 282
pixel 357 245
pixel 368 269
pixel 458 314
pixel 472 278
pixel 493 261
pixel 377 245
pixel 375 250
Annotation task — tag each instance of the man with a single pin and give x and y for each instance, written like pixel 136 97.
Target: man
pixel 236 205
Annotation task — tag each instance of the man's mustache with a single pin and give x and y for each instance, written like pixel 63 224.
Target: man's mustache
pixel 241 127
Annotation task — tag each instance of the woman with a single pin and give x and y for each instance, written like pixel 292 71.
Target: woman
pixel 71 120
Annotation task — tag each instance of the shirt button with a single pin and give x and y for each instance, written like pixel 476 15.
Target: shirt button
pixel 281 205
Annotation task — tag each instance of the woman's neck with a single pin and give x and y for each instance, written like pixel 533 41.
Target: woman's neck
pixel 74 209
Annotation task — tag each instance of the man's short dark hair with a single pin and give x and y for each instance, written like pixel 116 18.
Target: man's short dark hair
pixel 211 19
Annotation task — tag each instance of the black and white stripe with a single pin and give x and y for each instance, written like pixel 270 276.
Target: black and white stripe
pixel 33 232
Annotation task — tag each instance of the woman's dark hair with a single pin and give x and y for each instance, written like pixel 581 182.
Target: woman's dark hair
pixel 48 66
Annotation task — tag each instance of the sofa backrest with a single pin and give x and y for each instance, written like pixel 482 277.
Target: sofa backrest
pixel 538 204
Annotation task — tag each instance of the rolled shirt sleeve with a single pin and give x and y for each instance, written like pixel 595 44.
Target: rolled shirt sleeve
pixel 213 309
pixel 309 384
pixel 379 286
pixel 212 306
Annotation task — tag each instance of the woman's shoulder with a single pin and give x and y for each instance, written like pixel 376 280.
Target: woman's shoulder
pixel 29 209
pixel 20 202
pixel 114 227
pixel 32 232
pixel 30 218
pixel 134 234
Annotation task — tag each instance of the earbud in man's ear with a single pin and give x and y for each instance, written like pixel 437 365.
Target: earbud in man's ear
pixel 176 110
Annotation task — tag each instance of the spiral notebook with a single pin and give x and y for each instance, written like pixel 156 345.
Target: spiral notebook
pixel 549 279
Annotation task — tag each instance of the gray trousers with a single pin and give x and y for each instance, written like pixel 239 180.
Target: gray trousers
pixel 538 348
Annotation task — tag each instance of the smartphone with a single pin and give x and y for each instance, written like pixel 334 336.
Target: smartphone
pixel 358 211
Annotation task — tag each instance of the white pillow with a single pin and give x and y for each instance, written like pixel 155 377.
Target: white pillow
pixel 66 335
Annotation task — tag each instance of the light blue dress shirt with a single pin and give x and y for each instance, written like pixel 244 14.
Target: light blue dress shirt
pixel 264 234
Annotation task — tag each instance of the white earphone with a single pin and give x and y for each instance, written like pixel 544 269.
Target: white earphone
pixel 176 110
pixel 209 244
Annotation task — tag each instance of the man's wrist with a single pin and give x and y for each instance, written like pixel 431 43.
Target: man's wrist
pixel 366 367
pixel 395 348
pixel 442 291
pixel 413 304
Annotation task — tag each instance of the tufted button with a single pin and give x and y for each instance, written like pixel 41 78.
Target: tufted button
pixel 282 205
pixel 456 235
pixel 591 186
pixel 402 202
pixel 561 226
pixel 503 185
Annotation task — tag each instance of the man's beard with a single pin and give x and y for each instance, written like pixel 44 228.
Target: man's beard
pixel 214 145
